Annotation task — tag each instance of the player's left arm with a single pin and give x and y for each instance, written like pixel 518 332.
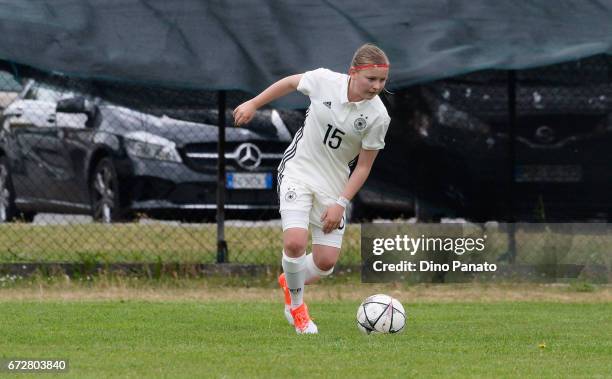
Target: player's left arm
pixel 332 216
pixel 360 174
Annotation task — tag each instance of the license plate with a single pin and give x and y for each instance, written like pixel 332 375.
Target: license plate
pixel 548 173
pixel 248 180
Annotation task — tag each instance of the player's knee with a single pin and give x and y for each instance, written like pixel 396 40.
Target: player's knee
pixel 294 247
pixel 327 268
pixel 325 264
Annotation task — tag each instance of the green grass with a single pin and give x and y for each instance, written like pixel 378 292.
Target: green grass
pixel 159 242
pixel 20 242
pixel 251 339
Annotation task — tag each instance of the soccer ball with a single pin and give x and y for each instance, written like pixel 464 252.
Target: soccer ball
pixel 380 314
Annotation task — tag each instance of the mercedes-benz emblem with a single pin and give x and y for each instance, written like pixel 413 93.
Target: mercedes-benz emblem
pixel 248 156
pixel 545 134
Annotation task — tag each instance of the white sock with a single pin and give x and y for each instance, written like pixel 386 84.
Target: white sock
pixel 295 274
pixel 312 271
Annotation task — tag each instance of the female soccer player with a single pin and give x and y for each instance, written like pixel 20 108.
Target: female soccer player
pixel 346 122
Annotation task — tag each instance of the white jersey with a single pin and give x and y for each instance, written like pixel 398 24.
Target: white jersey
pixel 334 132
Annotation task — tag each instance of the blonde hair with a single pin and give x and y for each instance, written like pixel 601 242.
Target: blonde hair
pixel 369 54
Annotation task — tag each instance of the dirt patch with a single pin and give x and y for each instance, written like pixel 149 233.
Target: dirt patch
pixel 336 292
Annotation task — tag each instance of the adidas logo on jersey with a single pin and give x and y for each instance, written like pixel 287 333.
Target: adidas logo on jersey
pixel 327 104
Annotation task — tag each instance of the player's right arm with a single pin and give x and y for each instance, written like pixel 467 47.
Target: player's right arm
pixel 244 113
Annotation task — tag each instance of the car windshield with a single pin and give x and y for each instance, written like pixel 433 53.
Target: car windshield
pixel 8 83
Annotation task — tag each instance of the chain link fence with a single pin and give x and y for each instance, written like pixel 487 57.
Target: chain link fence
pixel 94 171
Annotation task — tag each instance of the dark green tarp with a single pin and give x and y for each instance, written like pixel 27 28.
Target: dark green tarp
pixel 247 44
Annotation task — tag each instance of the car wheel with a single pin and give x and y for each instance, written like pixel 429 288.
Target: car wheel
pixel 354 211
pixel 424 212
pixel 104 189
pixel 27 216
pixel 7 196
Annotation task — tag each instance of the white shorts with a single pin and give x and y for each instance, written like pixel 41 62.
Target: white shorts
pixel 301 206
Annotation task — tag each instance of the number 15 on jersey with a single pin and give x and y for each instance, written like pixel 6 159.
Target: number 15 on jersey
pixel 335 139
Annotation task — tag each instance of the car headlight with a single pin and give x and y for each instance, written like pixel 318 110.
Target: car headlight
pixel 150 146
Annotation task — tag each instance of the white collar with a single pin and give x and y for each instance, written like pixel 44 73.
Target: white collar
pixel 344 95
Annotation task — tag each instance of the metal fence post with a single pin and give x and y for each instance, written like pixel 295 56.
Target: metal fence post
pixel 222 253
pixel 512 164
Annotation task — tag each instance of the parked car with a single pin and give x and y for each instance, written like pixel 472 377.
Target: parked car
pixel 68 152
pixel 448 146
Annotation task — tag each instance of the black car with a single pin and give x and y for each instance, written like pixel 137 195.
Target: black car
pixel 65 152
pixel 449 145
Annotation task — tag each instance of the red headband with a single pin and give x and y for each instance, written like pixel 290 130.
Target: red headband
pixel 373 65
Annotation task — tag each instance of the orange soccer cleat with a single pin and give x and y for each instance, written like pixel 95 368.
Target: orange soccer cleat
pixel 303 323
pixel 282 282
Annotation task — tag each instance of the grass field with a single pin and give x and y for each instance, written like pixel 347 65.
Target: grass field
pixel 117 325
pixel 261 244
pixel 22 242
pixel 204 331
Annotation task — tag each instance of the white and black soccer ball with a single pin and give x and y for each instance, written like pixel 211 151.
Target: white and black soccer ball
pixel 381 314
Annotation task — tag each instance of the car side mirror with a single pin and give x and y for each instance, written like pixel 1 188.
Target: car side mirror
pixel 15 112
pixel 78 105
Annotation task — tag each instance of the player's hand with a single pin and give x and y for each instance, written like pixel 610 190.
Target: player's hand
pixel 244 113
pixel 332 217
